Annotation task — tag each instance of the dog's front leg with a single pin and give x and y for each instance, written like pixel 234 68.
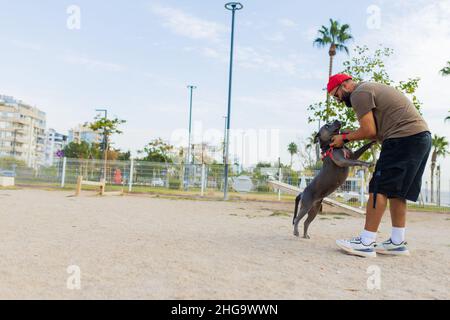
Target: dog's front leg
pixel 340 160
pixel 358 153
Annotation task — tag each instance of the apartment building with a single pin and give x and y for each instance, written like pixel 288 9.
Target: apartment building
pixel 84 133
pixel 54 142
pixel 22 131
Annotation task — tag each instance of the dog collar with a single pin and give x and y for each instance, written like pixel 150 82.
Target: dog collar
pixel 328 153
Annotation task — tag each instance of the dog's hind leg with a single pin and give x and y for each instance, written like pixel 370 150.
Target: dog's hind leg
pixel 297 201
pixel 311 216
pixel 304 209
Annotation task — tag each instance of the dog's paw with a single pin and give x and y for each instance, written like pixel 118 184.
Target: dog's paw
pixel 296 233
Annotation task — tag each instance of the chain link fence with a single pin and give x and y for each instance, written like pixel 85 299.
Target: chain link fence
pixel 200 180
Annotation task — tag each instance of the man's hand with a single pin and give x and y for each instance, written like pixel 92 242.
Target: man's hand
pixel 337 141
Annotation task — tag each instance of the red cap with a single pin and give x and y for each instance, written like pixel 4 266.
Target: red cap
pixel 336 80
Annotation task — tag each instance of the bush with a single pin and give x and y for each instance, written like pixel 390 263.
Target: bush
pixel 263 188
pixel 6 163
pixel 174 184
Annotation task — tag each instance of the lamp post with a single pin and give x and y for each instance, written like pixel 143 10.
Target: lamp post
pixel 224 138
pixel 188 161
pixel 233 7
pixel 105 144
pixel 243 151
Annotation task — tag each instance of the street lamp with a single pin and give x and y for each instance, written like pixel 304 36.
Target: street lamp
pixel 224 139
pixel 232 6
pixel 105 144
pixel 188 162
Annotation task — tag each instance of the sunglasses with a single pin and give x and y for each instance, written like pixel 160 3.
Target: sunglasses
pixel 335 97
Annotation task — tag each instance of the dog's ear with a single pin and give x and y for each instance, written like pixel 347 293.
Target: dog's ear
pixel 316 138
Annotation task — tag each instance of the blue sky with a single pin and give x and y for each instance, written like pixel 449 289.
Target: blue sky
pixel 137 57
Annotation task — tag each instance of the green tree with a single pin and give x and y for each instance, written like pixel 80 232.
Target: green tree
pixel 157 151
pixel 82 150
pixel 440 146
pixel 293 149
pixel 335 36
pixel 446 70
pixel 368 66
pixel 124 156
pixel 263 165
pixel 107 127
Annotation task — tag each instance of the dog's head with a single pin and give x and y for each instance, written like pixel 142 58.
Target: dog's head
pixel 326 132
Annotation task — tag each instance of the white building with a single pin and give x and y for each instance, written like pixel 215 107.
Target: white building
pixel 54 142
pixel 84 133
pixel 22 131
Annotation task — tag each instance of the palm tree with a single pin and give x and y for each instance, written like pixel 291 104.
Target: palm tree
pixel 336 36
pixel 440 145
pixel 446 70
pixel 293 149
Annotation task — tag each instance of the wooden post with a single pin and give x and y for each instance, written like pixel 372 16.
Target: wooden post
pixel 203 180
pixel 102 187
pixel 130 176
pixel 63 175
pixel 79 183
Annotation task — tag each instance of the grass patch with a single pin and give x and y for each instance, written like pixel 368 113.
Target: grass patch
pixel 10 188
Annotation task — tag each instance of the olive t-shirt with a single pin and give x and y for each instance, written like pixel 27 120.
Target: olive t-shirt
pixel 395 115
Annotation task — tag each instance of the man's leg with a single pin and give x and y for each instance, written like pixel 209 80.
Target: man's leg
pixel 398 217
pixel 398 212
pixel 364 245
pixel 374 215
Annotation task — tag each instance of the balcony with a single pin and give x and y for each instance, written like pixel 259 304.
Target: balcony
pixel 18 139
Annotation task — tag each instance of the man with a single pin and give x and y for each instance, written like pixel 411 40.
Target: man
pixel 387 115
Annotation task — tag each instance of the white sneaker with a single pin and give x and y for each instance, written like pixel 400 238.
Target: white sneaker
pixel 356 247
pixel 388 247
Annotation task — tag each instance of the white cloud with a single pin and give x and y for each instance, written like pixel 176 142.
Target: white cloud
pixel 310 34
pixel 92 63
pixel 184 24
pixel 288 23
pixel 275 37
pixel 421 46
pixel 27 45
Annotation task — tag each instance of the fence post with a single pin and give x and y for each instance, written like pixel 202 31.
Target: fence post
pixel 63 174
pixel 279 180
pixel 203 180
pixel 130 176
pixel 362 189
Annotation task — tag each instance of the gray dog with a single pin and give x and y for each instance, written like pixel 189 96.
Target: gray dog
pixel 334 172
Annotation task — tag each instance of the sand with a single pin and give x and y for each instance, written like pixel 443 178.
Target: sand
pixel 142 247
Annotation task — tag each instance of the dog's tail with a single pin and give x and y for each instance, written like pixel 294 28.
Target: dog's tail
pixel 297 201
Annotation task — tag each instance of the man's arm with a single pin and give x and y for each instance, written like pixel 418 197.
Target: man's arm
pixel 367 131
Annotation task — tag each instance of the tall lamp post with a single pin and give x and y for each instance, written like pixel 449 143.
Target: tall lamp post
pixel 224 139
pixel 105 144
pixel 233 7
pixel 188 161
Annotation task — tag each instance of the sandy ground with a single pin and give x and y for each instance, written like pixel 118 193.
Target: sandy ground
pixel 140 247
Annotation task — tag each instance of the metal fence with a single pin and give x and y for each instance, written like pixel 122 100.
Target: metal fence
pixel 201 180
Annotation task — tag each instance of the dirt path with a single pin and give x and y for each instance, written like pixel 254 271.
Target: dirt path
pixel 138 247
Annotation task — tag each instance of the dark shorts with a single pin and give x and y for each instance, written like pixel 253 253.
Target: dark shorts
pixel 399 170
